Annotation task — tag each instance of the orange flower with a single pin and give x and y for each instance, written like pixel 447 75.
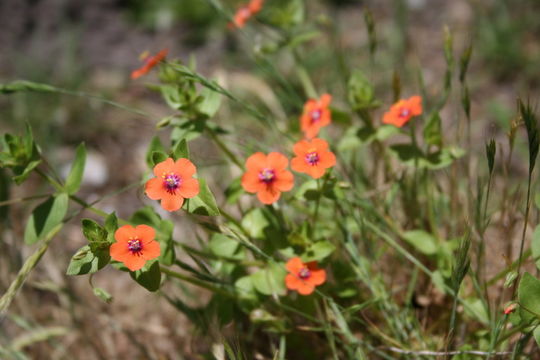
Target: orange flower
pixel 401 112
pixel 173 183
pixel 149 63
pixel 267 176
pixel 312 157
pixel 134 246
pixel 315 116
pixel 303 277
pixel 245 12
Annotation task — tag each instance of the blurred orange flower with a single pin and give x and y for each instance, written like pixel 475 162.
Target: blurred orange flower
pixel 173 182
pixel 303 277
pixel 149 63
pixel 134 246
pixel 267 176
pixel 244 13
pixel 312 157
pixel 401 112
pixel 316 115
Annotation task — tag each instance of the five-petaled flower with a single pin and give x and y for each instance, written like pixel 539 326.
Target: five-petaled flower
pixel 267 176
pixel 244 13
pixel 134 246
pixel 401 112
pixel 149 63
pixel 315 116
pixel 303 277
pixel 312 157
pixel 173 182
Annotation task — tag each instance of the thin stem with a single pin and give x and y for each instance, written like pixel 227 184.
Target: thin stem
pixel 224 148
pixel 196 282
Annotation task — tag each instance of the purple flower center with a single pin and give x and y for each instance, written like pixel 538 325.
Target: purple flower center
pixel 404 112
pixel 172 182
pixel 316 115
pixel 267 176
pixel 134 245
pixel 312 158
pixel 304 273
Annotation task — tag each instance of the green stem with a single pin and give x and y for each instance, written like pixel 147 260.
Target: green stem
pixel 224 148
pixel 196 282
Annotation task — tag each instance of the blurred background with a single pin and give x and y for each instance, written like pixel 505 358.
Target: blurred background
pixel 92 46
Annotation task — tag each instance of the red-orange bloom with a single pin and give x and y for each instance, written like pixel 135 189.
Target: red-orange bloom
pixel 173 182
pixel 312 157
pixel 149 63
pixel 316 115
pixel 134 246
pixel 267 176
pixel 303 277
pixel 244 13
pixel 401 112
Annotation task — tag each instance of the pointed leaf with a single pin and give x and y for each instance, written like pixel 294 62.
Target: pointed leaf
pixel 74 179
pixel 45 217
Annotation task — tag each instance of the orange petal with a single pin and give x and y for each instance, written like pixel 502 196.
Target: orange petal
pixel 316 171
pixel 317 277
pixel 256 162
pixel 319 144
pixel 327 159
pixel 135 262
pixel 299 164
pixel 184 168
pixel 154 188
pixel 145 232
pixel 119 251
pixel 293 282
pixel 294 265
pixel 305 289
pixel 284 180
pixel 189 188
pixel 255 6
pixel 151 250
pixel 124 233
pixel 301 147
pixel 277 161
pixel 268 195
pixel 164 167
pixel 312 130
pixel 251 182
pixel 326 99
pixel 415 105
pixel 172 202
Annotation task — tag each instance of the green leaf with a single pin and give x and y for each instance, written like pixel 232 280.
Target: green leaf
pixel 103 295
pixel 432 130
pixel 93 231
pixel 222 245
pixel 271 280
pixel 111 225
pixel 535 246
pixel 74 179
pixel 422 241
pixel 45 217
pixel 536 334
pixel 211 102
pixel 154 146
pixel 234 191
pixel 166 242
pixel 22 174
pixel 255 222
pixel 181 150
pixel 204 203
pixel 87 260
pixel 157 157
pixel 529 297
pixel 149 276
pixel 145 215
pixel 319 251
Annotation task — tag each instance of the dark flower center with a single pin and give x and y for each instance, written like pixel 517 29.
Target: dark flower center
pixel 304 273
pixel 134 245
pixel 316 115
pixel 404 112
pixel 172 182
pixel 312 158
pixel 267 176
